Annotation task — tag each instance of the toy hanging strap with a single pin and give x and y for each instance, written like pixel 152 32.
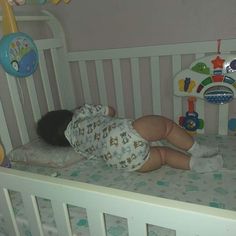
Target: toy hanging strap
pixel 191 101
pixel 218 46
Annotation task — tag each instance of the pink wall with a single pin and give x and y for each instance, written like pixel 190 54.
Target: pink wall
pixel 120 23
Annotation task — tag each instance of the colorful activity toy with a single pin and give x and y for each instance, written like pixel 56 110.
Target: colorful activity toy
pixel 18 53
pixel 211 78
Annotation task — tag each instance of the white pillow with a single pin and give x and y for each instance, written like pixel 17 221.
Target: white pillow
pixel 40 153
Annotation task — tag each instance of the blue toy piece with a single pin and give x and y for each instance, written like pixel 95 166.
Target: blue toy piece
pixel 18 54
pixel 191 122
pixel 232 124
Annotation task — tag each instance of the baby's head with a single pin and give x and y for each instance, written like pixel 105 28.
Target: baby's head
pixel 51 127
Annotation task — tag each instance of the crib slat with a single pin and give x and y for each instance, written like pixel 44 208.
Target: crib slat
pixel 96 222
pixel 62 218
pixel 8 213
pixel 200 103
pixel 223 119
pixel 101 82
pixel 45 80
pixel 136 227
pixel 184 233
pixel 85 82
pixel 199 107
pixel 136 87
pixel 63 78
pixel 58 74
pixel 32 212
pixel 118 87
pixel 18 109
pixel 177 103
pixel 156 87
pixel 33 98
pixel 5 137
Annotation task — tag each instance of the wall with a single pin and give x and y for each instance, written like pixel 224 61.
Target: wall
pixel 120 23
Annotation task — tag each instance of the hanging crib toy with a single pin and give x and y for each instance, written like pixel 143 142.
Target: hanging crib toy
pixel 18 53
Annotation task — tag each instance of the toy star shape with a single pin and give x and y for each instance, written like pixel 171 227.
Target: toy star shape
pixel 218 62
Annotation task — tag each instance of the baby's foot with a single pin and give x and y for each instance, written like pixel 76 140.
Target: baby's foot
pixel 202 165
pixel 198 150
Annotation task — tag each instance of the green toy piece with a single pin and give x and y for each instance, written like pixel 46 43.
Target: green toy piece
pixel 201 68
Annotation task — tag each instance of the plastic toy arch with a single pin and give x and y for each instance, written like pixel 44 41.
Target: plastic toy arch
pixel 212 78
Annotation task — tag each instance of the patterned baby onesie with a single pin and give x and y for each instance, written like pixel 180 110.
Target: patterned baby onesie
pixel 93 133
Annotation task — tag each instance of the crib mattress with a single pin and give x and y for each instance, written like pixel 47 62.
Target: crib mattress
pixel 216 189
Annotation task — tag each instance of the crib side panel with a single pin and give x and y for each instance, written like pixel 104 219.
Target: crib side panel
pixel 140 80
pixel 138 209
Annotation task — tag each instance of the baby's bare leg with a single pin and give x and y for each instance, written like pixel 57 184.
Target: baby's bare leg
pixel 154 128
pixel 165 156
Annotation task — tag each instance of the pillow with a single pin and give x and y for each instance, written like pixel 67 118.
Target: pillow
pixel 40 153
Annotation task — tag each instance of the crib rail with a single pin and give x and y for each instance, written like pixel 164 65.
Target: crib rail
pixel 139 210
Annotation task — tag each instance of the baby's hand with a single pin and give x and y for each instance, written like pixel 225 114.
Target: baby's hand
pixel 111 111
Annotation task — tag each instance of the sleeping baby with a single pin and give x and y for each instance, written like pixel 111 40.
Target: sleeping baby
pixel 95 131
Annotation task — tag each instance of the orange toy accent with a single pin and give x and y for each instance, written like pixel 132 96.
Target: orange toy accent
pixel 191 102
pixel 2 154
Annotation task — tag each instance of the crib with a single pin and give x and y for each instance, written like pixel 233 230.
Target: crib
pixel 137 76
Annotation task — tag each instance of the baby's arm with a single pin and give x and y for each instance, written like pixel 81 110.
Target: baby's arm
pixel 91 110
pixel 111 111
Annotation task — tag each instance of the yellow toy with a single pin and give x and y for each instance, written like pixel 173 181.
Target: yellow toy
pixel 3 160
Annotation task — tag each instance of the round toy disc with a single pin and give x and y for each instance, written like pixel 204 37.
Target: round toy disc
pixel 18 54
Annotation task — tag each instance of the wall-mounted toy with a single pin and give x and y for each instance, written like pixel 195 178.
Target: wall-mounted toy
pixel 212 78
pixel 18 53
pixel 190 121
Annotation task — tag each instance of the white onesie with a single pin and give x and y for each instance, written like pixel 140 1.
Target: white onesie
pixel 93 133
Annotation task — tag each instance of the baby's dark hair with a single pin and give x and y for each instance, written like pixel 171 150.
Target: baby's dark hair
pixel 52 125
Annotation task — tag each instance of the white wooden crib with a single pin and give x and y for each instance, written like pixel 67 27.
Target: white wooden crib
pixel 54 86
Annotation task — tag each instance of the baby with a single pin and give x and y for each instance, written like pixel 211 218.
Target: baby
pixel 94 131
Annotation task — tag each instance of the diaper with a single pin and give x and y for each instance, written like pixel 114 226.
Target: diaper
pixel 125 148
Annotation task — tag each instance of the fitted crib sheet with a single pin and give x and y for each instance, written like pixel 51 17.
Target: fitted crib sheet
pixel 216 189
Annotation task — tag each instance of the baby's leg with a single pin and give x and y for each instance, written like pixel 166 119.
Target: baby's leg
pixel 154 128
pixel 166 156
